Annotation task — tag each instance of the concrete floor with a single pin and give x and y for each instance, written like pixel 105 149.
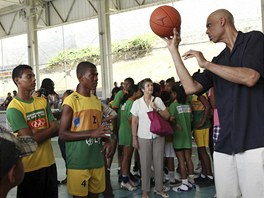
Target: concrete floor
pixel 204 192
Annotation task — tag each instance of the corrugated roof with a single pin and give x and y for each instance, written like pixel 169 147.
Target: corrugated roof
pixel 6 4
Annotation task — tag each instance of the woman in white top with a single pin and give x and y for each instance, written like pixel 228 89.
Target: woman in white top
pixel 149 145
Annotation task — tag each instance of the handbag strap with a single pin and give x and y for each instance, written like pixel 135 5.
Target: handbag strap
pixel 153 99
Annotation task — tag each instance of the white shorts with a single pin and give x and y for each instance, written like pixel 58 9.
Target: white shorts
pixel 169 150
pixel 239 174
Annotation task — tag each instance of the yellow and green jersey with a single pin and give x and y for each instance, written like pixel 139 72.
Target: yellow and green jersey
pixel 198 112
pixel 35 114
pixel 87 115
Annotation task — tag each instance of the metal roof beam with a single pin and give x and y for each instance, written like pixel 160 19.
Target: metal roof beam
pixel 94 8
pixel 2 27
pixel 12 23
pixel 69 12
pixel 57 12
pixel 140 3
pixel 11 9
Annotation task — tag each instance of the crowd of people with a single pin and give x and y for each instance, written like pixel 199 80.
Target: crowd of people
pixel 218 107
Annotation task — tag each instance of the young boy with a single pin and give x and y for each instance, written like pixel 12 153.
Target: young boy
pixel 83 132
pixel 32 116
pixel 12 149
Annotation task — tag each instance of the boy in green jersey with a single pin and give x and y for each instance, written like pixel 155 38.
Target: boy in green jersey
pixel 81 127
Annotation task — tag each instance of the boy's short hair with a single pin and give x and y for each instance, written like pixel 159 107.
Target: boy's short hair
pixel 18 71
pixel 12 148
pixel 82 67
pixel 130 80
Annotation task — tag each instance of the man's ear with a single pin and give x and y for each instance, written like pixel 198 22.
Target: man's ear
pixel 80 78
pixel 11 175
pixel 222 21
pixel 16 79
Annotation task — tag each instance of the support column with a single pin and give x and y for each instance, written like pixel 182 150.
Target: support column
pixel 105 48
pixel 33 59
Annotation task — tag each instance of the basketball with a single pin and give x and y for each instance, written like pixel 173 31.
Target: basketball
pixel 163 19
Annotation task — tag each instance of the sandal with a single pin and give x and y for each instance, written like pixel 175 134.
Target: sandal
pixel 161 193
pixel 192 185
pixel 145 196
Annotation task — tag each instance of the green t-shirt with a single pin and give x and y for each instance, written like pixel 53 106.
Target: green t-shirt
pixel 182 139
pixel 116 105
pixel 117 99
pixel 125 131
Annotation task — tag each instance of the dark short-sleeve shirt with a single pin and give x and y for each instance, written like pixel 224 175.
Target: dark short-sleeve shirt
pixel 240 108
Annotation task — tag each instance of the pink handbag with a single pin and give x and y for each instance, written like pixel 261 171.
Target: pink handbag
pixel 158 125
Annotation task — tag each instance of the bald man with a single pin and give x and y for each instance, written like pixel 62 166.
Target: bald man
pixel 237 74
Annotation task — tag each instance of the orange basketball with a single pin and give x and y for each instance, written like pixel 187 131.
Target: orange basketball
pixel 163 19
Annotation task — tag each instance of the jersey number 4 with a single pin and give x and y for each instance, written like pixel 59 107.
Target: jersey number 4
pixel 84 183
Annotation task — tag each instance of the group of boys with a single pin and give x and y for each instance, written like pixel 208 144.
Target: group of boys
pixel 80 125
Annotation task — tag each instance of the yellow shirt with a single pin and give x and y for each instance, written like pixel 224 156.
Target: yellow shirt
pixel 35 114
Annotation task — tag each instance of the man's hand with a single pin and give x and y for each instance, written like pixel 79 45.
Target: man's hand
pixel 198 55
pixel 173 43
pixel 102 132
pixel 135 142
pixel 108 149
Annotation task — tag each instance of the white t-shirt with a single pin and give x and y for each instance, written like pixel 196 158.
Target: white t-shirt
pixel 140 109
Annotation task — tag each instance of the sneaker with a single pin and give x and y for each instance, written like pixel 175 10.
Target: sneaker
pixel 199 180
pixel 127 186
pixel 181 188
pixel 207 182
pixel 163 192
pixel 175 183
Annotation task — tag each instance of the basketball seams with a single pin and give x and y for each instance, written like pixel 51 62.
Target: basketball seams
pixel 163 19
pixel 168 14
pixel 165 30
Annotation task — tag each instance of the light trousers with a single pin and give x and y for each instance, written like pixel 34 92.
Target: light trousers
pixel 240 175
pixel 151 151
